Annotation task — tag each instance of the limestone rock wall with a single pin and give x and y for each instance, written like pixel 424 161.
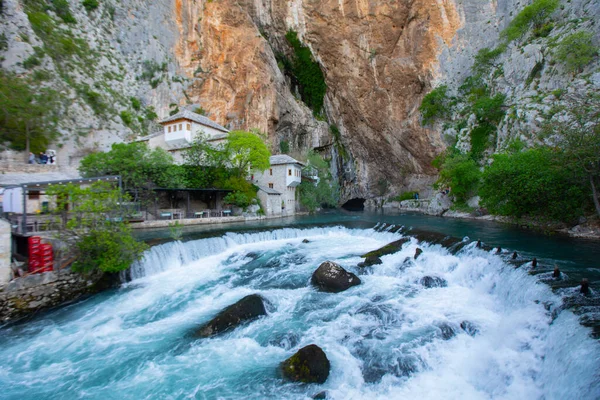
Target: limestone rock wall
pixel 379 59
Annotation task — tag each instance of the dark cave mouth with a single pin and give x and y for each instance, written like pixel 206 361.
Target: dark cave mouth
pixel 356 204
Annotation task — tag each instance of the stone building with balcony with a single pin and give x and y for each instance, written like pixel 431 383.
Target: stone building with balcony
pixel 277 185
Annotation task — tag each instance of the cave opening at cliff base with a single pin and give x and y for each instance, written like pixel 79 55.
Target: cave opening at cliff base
pixel 356 204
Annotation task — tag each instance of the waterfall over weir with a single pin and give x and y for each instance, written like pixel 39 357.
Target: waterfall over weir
pixel 491 331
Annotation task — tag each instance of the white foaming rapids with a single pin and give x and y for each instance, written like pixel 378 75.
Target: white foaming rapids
pixel 388 338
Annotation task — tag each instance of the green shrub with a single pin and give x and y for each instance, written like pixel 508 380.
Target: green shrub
pixel 93 99
pixel 90 5
pixel 534 15
pixel 435 105
pixel 31 62
pixel 461 173
pixel 135 103
pixel 480 140
pixel 485 59
pixel 41 23
pixel 489 109
pixel 284 146
pixel 126 117
pixel 405 196
pixel 61 8
pixel 535 183
pixel 150 113
pixel 576 51
pixel 3 42
pixel 310 78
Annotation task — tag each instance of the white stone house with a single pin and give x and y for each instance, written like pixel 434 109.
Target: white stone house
pixel 277 185
pixel 181 129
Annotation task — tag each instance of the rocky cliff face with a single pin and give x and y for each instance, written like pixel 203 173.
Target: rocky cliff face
pixel 378 58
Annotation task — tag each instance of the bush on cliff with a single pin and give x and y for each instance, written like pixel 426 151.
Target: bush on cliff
pixel 534 15
pixel 307 71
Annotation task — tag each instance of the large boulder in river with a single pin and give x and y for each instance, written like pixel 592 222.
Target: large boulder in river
pixel 308 365
pixel 331 277
pixel 247 309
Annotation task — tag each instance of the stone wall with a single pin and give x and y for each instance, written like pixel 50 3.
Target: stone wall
pixel 36 292
pixel 5 251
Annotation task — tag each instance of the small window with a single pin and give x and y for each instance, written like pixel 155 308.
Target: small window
pixel 270 186
pixel 169 129
pixel 189 127
pixel 271 171
pixel 33 195
pixel 180 127
pixel 289 172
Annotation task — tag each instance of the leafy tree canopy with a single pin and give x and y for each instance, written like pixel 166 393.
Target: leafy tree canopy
pixel 138 166
pixel 536 183
pixel 246 150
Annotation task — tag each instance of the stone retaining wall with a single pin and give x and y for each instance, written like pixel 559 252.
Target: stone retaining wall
pixel 36 292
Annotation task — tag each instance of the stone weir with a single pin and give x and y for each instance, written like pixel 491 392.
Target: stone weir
pixel 27 295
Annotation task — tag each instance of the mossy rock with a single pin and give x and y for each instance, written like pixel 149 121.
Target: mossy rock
pixel 308 365
pixel 389 248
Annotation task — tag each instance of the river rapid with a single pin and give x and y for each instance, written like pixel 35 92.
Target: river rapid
pixel 388 338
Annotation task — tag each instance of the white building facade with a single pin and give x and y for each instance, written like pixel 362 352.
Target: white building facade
pixel 277 185
pixel 181 129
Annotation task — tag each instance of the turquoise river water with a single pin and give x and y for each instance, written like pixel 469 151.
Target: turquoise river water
pixel 388 338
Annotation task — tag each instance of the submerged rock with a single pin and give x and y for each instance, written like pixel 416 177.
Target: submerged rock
pixel 469 328
pixel 306 241
pixel 321 395
pixel 370 260
pixel 308 365
pixel 585 287
pixel 389 248
pixel 433 281
pixel 247 309
pixel 447 331
pixel 331 277
pixel 418 252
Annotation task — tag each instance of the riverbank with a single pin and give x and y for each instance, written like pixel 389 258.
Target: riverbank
pixel 441 206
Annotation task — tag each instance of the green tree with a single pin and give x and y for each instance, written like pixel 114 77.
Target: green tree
pixel 534 15
pixel 139 167
pixel 576 50
pixel 459 172
pixel 28 114
pixel 435 104
pixel 535 183
pixel 576 129
pixel 92 227
pixel 247 151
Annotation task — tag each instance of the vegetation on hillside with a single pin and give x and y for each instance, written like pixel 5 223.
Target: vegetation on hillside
pixel 324 192
pixel 28 115
pixel 305 73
